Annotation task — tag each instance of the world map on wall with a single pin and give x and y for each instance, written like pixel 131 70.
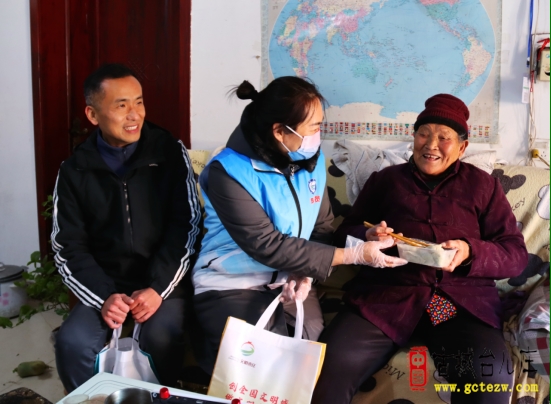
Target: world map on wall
pixel 377 61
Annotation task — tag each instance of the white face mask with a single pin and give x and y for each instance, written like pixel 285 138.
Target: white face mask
pixel 308 148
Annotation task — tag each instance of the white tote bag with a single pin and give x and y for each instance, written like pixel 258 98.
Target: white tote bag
pixel 259 366
pixel 123 357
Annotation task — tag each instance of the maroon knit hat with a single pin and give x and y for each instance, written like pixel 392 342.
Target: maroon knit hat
pixel 447 110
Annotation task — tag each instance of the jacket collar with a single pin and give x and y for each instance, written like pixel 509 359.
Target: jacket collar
pixel 87 156
pixel 436 181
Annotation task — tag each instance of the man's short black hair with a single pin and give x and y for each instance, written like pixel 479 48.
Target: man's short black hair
pixel 92 84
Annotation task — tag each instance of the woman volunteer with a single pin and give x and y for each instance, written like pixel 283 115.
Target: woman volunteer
pixel 268 217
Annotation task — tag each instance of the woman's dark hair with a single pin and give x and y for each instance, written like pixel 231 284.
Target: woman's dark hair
pixel 287 101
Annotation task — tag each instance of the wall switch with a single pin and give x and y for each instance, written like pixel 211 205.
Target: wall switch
pixel 542 147
pixel 541 144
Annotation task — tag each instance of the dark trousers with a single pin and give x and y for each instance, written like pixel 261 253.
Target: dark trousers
pixel 357 349
pixel 212 310
pixel 84 334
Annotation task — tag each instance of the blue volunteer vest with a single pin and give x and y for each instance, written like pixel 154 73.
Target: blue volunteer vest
pixel 271 189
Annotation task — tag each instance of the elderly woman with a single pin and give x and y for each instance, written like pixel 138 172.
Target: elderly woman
pixel 433 197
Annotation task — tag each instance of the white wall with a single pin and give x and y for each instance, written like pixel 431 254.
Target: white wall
pixel 226 41
pixel 18 217
pixel 225 50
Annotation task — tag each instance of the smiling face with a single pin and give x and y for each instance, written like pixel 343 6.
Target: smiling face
pixel 436 147
pixel 307 128
pixel 118 110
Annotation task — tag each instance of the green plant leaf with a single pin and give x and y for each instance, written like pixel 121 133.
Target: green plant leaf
pixel 24 310
pixel 35 257
pixel 62 312
pixel 44 284
pixel 5 322
pixel 48 205
pixel 25 313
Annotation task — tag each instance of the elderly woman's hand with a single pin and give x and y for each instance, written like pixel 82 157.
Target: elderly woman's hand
pixel 380 232
pixel 463 253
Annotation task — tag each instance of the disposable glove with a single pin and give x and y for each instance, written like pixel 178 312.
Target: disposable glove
pixel 360 252
pixel 296 288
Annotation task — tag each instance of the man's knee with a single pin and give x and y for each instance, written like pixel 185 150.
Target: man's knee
pixel 81 331
pixel 166 326
pixel 66 341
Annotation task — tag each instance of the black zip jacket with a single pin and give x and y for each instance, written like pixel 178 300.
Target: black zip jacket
pixel 116 235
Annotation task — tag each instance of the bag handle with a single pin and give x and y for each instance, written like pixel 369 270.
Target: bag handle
pixel 115 338
pixel 299 321
pixel 270 310
pixel 117 334
pixel 136 333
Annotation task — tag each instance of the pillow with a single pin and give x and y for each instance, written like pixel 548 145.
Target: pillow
pixel 199 159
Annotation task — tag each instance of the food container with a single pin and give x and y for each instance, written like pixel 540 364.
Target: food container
pixel 11 296
pixel 432 256
pixel 130 395
pixel 84 399
pixel 78 399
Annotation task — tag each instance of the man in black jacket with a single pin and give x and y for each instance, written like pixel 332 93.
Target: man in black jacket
pixel 126 223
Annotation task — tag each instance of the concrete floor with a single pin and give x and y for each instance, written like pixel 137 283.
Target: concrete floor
pixel 26 342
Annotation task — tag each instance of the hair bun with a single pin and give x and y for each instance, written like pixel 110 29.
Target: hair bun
pixel 246 91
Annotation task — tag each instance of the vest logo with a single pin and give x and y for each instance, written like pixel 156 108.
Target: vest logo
pixel 247 349
pixel 312 185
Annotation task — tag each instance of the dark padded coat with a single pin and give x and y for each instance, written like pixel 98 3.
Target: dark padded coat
pixel 468 204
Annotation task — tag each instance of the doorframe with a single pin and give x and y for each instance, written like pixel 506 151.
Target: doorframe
pixel 48 56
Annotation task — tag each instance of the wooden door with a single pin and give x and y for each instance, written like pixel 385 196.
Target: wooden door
pixel 71 38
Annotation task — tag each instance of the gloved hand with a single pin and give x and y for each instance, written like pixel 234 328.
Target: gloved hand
pixel 296 288
pixel 360 252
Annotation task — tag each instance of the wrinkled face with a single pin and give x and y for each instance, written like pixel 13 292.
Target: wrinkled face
pixel 119 111
pixel 307 128
pixel 436 147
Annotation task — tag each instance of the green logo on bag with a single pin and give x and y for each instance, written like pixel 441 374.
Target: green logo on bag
pixel 247 348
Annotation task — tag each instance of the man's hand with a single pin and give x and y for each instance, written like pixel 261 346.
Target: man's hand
pixel 463 253
pixel 115 308
pixel 146 303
